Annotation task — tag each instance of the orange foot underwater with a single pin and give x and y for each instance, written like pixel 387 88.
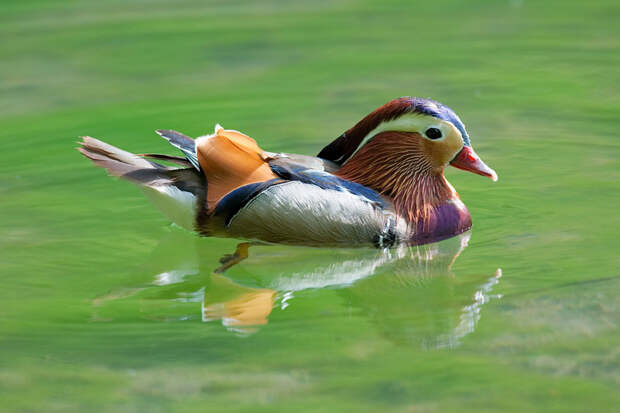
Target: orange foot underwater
pixel 380 183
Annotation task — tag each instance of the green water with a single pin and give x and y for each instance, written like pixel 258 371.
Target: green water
pixel 106 307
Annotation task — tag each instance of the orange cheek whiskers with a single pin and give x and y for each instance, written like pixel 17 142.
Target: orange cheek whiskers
pixel 396 165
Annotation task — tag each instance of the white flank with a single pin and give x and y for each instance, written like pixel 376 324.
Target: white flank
pixel 304 213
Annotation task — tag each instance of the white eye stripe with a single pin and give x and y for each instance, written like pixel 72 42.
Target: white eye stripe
pixel 412 122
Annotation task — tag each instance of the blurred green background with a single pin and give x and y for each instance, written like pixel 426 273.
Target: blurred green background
pixel 103 301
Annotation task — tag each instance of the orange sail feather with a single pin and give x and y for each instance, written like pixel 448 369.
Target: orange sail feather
pixel 229 160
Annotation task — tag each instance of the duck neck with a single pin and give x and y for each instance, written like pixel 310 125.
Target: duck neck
pixel 394 164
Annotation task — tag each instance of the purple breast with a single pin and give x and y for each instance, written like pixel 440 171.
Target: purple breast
pixel 447 220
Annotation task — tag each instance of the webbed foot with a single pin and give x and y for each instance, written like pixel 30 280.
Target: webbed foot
pixel 228 260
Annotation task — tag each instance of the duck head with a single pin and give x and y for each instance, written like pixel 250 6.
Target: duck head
pixel 401 150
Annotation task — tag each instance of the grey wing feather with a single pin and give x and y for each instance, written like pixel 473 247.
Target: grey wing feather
pixel 116 161
pixel 186 144
pixel 301 161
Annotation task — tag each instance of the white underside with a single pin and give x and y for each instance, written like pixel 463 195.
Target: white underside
pixel 179 206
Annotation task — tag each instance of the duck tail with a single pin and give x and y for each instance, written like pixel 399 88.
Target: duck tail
pixel 175 191
pixel 120 163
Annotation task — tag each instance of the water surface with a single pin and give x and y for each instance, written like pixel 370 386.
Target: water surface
pixel 108 307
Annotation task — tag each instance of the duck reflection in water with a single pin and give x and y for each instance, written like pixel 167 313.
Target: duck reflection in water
pixel 409 293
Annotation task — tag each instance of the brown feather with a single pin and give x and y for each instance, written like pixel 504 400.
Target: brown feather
pixel 116 161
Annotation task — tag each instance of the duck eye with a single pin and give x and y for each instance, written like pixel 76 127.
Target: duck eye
pixel 433 133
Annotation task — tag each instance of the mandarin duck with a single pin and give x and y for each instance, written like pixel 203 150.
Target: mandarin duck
pixel 379 183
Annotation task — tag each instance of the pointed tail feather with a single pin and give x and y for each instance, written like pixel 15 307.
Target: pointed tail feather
pixel 168 158
pixel 121 163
